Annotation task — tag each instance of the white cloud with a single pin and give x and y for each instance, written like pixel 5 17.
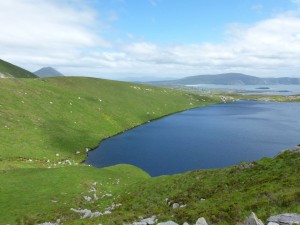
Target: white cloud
pixel 47 31
pixel 40 33
pixel 269 48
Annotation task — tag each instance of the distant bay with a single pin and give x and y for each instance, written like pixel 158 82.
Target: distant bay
pixel 209 137
pixel 276 89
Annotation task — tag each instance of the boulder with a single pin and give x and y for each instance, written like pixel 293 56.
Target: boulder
pixel 151 220
pixel 168 223
pixel 253 220
pixel 285 219
pixel 201 221
pixel 175 205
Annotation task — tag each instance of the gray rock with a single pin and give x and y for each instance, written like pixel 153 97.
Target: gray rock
pixel 175 205
pixel 253 220
pixel 168 223
pixel 285 219
pixel 201 221
pixel 87 213
pixel 271 223
pixel 151 220
pixel 49 223
pixel 185 223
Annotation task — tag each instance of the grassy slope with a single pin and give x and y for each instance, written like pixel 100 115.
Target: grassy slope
pixel 30 196
pixel 38 129
pixel 10 70
pixel 40 118
pixel 271 187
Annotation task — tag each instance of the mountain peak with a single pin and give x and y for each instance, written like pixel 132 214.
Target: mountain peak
pixel 48 72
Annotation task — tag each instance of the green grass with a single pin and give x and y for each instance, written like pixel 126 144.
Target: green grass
pixel 9 70
pixel 30 196
pixel 46 121
pixel 41 118
pixel 271 187
pixel 53 118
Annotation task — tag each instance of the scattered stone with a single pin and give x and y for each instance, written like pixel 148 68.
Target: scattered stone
pixel 201 221
pixel 107 212
pixel 285 219
pixel 139 223
pixel 296 148
pixel 246 166
pixel 95 197
pixel 87 198
pixel 168 223
pixel 77 152
pixel 149 221
pixel 175 205
pixel 57 154
pixel 49 223
pixel 271 223
pixel 185 223
pixel 87 213
pixel 253 220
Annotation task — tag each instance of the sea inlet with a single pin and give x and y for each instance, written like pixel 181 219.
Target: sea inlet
pixel 208 137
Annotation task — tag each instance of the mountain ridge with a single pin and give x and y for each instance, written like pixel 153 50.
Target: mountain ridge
pixel 228 79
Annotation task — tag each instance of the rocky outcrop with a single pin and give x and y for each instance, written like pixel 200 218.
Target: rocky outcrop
pixel 253 220
pixel 168 223
pixel 284 219
pixel 201 221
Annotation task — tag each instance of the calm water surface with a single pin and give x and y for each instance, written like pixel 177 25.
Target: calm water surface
pixel 209 137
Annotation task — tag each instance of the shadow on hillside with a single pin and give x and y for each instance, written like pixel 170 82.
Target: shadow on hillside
pixel 65 137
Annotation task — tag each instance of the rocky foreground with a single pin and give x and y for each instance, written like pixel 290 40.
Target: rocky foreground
pixel 282 219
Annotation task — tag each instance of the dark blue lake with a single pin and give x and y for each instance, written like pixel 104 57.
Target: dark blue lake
pixel 209 137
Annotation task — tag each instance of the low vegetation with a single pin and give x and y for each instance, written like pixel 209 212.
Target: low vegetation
pixel 49 124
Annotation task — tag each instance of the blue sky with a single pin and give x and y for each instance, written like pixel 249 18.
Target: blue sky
pixel 116 39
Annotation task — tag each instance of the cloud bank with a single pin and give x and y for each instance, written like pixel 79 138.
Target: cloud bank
pixel 71 37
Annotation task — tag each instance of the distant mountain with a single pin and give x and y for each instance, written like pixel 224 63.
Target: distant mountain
pixel 8 70
pixel 48 72
pixel 228 79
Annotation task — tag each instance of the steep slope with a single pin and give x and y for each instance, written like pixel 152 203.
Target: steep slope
pixel 228 79
pixel 8 70
pixel 48 72
pixel 46 126
pixel 44 117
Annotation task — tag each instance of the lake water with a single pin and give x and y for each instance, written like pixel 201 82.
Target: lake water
pixel 209 137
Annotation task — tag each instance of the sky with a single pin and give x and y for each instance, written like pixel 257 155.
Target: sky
pixel 118 39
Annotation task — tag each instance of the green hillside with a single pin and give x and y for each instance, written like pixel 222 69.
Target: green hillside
pixel 56 118
pixel 50 123
pixel 8 70
pixel 46 125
